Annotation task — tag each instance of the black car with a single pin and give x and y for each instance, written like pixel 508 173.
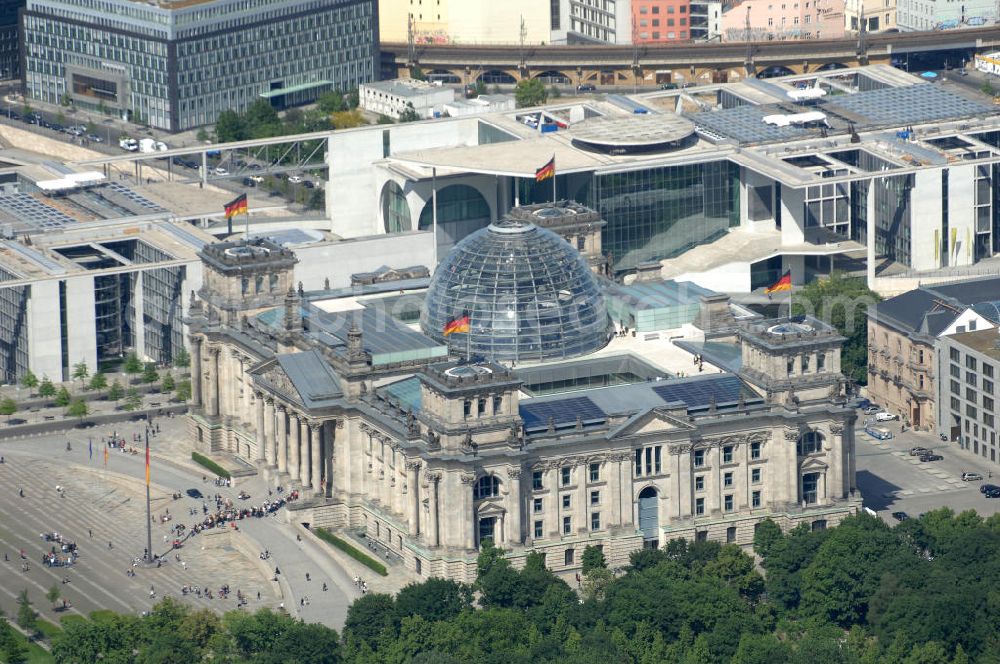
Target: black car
pixel 900 516
pixel 586 87
pixel 930 457
pixel 668 86
pixel 194 493
pixel 986 488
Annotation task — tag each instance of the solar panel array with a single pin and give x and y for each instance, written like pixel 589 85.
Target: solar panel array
pixel 26 209
pixel 912 104
pixel 746 124
pixel 141 201
pixel 563 413
pixel 697 394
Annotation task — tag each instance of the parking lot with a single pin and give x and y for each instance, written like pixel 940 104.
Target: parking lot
pixel 891 480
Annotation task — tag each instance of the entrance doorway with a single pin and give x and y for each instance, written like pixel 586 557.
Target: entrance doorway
pixel 487 525
pixel 649 514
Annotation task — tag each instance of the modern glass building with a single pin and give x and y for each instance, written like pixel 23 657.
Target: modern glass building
pixel 9 57
pixel 529 295
pixel 178 64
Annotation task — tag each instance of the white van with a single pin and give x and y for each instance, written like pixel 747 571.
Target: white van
pixel 885 417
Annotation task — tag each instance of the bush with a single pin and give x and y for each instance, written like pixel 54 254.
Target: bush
pixel 211 465
pixel 360 556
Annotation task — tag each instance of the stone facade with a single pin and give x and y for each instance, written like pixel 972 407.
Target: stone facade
pixel 430 482
pixel 901 374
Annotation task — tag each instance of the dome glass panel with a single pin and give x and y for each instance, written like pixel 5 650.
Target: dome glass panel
pixel 529 295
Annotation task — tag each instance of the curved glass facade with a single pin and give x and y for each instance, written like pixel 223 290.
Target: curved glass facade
pixel 461 210
pixel 528 294
pixel 395 211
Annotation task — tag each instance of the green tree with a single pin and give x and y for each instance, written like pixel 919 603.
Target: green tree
pixel 331 102
pixel 52 594
pixel 183 391
pixel 29 380
pixel 8 407
pixel 182 359
pixel 554 92
pixel 65 99
pixel 530 92
pixel 149 373
pixel 765 535
pixel 63 397
pixel 133 400
pixel 371 615
pixel 987 89
pixel 593 558
pixel 417 73
pixel 168 384
pixel 230 126
pixel 434 599
pixel 409 114
pixel 27 617
pixel 132 365
pixel 842 302
pixel 262 120
pixel 81 371
pixel 98 381
pixel 202 136
pixel 13 649
pixel 46 389
pixel 78 408
pixel 347 119
pixel 116 391
pixel 384 120
pixel 596 582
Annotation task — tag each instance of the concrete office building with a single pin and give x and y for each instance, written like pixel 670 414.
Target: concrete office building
pixel 915 15
pixel 178 64
pixel 721 183
pixel 968 363
pixel 903 335
pixel 383 432
pixel 393 98
pixel 10 58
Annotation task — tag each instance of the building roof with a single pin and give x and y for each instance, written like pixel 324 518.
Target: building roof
pixel 986 342
pixel 929 310
pixel 312 377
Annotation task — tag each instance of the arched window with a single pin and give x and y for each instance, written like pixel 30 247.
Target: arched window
pixel 486 486
pixel 395 211
pixel 810 443
pixel 456 202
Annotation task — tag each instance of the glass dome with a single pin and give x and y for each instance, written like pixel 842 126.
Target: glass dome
pixel 528 294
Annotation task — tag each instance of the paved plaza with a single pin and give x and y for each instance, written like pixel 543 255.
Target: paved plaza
pixel 99 505
pixel 891 480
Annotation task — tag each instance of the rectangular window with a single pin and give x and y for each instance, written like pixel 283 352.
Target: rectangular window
pixel 955 371
pixel 727 502
pixel 810 488
pixel 638 463
pixel 727 480
pixel 754 450
pixel 727 454
pixel 567 525
pixel 497 405
pixel 699 506
pixel 970 378
pixel 699 458
pixel 656 458
pixel 595 497
pixel 954 355
pixel 970 394
pixel 970 411
pixel 536 505
pixel 595 520
pixel 649 460
pixel 564 475
pixel 755 475
pixel 821 358
pixel 730 534
pixel 467 408
pixel 970 362
pixel 699 482
pixel 755 499
pixel 987 370
pixel 538 529
pixel 536 480
pixel 595 472
pixel 481 406
pixel 987 386
pixel 956 387
pixel 987 403
pixel 805 358
pixel 565 502
pixel 568 556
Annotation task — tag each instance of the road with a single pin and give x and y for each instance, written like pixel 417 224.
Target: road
pixel 110 504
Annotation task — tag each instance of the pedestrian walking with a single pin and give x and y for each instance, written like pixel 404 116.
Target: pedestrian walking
pixel 90 533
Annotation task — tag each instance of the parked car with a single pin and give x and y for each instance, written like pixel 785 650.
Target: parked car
pixel 308 184
pixel 872 409
pixel 586 87
pixel 971 477
pixel 221 170
pixel 924 458
pixel 295 179
pixel 885 417
pixel 668 86
pixel 194 493
pixel 919 451
pixel 863 404
pixel 94 138
pixel 900 516
pixel 988 487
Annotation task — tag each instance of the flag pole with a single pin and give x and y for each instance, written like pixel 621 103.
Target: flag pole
pixel 553 177
pixel 247 221
pixel 149 517
pixel 790 294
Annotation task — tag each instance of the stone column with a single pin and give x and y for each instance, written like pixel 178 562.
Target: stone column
pixel 269 447
pixel 714 457
pixel 685 503
pixel 628 500
pixel 282 438
pixel 468 514
pixel 836 462
pixel 413 497
pixel 615 489
pixel 580 512
pixel 514 505
pixel 316 456
pixel 554 508
pixel 213 382
pixel 431 535
pixel 196 377
pixel 792 494
pixel 261 437
pixel 295 438
pixel 304 442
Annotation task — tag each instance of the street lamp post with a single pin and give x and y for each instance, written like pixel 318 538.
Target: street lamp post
pixel 149 516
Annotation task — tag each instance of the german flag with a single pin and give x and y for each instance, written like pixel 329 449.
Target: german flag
pixel 783 284
pixel 547 171
pixel 457 325
pixel 236 206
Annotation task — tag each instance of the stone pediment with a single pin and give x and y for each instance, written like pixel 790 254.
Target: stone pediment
pixel 302 379
pixel 813 464
pixel 652 422
pixel 491 508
